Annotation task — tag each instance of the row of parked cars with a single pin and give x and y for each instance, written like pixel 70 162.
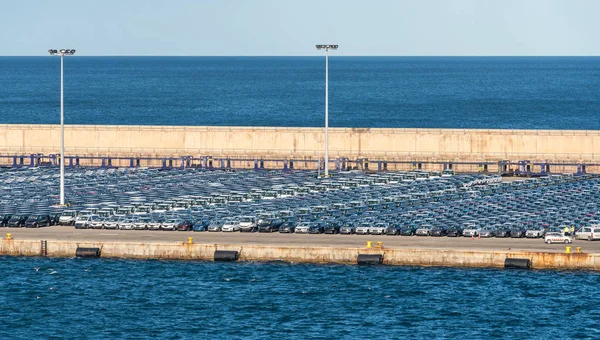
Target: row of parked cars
pixel 416 203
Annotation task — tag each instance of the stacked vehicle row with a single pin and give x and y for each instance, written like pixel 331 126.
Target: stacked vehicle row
pixel 414 203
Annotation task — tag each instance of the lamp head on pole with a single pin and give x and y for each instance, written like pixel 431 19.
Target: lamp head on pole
pixel 327 47
pixel 61 52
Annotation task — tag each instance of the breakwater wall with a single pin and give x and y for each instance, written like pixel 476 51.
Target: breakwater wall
pixel 302 254
pixel 467 144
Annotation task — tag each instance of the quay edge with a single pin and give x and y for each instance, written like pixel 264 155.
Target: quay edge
pixel 303 254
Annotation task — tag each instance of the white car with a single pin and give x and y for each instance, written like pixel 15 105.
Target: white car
pixel 557 238
pixel 67 217
pixel 231 226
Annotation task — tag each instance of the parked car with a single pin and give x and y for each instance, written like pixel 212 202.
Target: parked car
pixel 288 226
pixel 4 220
pixel 269 225
pixel 379 228
pixel 67 217
pixel 424 230
pixel 363 228
pixel 487 232
pixel 215 226
pixel 230 225
pixel 438 231
pixel 36 221
pixel 185 225
pixel 517 232
pixel 302 228
pixel 247 224
pixel 454 231
pixel 536 232
pixel 316 227
pixel 17 220
pixel 588 233
pixel 347 228
pixel 170 224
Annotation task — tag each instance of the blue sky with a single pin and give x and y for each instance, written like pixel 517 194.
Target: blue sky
pixel 286 27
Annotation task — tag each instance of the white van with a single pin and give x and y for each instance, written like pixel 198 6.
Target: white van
pixel 588 233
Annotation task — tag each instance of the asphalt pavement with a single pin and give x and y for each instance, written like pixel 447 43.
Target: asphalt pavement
pixel 59 233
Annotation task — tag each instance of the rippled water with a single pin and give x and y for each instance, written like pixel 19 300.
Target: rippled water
pixel 109 299
pixel 414 92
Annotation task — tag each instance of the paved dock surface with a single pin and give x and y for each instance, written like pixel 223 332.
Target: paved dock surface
pixel 277 239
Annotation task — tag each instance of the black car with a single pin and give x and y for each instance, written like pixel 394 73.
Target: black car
pixel 288 226
pixel 4 220
pixel 331 227
pixel 408 231
pixel 54 218
pixel 393 230
pixel 269 225
pixel 454 232
pixel 517 232
pixel 503 232
pixel 316 227
pixel 17 221
pixel 438 231
pixel 36 221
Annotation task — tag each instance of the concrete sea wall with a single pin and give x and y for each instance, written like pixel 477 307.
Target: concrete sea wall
pixel 424 144
pixel 341 255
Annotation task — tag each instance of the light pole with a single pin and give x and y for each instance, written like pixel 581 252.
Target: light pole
pixel 327 48
pixel 62 53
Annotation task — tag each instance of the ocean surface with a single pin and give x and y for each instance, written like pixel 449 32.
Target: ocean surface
pixel 44 298
pixel 412 92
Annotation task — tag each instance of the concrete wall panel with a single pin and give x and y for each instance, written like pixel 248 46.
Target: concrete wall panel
pixel 305 142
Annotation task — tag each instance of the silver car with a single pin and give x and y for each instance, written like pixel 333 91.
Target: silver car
pixel 215 226
pixel 379 228
pixel 471 231
pixel 126 224
pixel 169 224
pixel 536 232
pixel 141 223
pixel 424 230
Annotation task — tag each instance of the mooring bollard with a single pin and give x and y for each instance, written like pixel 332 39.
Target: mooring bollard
pixel 9 236
pixel 369 244
pixel 379 244
pixel 190 240
pixel 568 250
pixel 578 249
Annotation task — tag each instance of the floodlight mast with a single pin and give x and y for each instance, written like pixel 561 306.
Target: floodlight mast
pixel 62 53
pixel 327 48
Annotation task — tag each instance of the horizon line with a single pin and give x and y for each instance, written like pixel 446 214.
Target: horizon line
pixel 332 55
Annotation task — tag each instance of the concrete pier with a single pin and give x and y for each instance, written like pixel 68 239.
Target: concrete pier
pixel 396 250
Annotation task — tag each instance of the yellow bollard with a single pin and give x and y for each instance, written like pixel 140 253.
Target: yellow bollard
pixel 578 249
pixel 9 236
pixel 190 240
pixel 369 244
pixel 568 250
pixel 379 244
